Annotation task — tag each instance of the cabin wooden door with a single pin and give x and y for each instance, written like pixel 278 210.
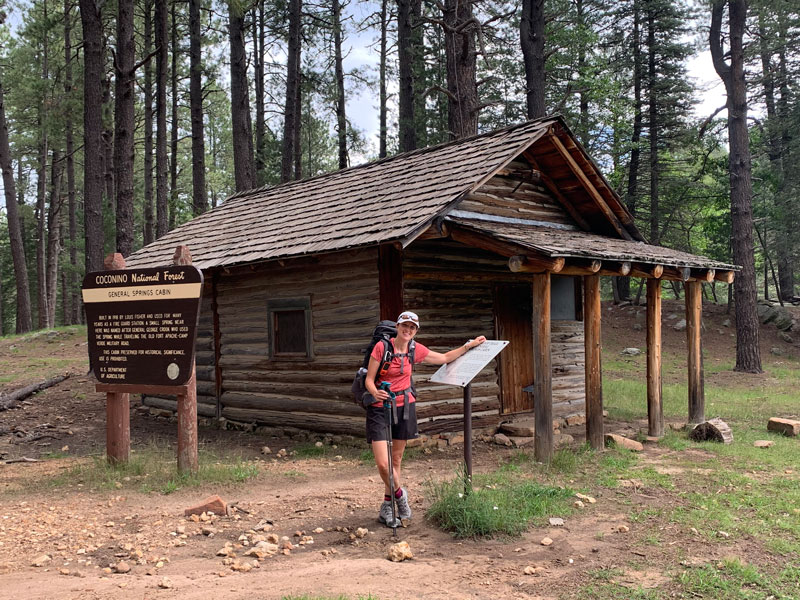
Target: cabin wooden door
pixel 512 309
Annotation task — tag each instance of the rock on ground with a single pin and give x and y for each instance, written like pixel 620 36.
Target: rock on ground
pixel 399 552
pixel 785 426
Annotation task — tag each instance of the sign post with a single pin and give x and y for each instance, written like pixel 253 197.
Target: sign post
pixel 142 325
pixel 461 372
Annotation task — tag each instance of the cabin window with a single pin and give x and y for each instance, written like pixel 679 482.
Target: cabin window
pixel 289 322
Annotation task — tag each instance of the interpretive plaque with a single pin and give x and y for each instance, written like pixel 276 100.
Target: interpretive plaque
pixel 142 324
pixel 464 369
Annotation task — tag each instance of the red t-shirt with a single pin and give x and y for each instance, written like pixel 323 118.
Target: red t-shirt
pixel 399 381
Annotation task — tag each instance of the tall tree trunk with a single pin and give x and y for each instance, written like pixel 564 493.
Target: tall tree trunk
pixel 748 352
pixel 407 125
pixel 72 316
pixel 653 125
pixel 240 102
pixel 41 187
pixel 787 223
pixel 383 132
pixel 199 200
pixel 532 35
pixel 173 165
pixel 291 111
pixel 462 87
pixel 24 321
pixel 631 193
pixel 583 97
pixel 298 129
pixel 258 68
pixel 341 117
pixel 54 237
pixel 149 229
pixel 91 20
pixel 162 42
pixel 41 220
pixel 124 126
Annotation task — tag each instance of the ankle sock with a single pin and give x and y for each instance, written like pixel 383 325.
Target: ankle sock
pixel 387 498
pixel 398 493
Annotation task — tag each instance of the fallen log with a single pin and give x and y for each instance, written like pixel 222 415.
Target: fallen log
pixel 715 430
pixel 24 459
pixel 10 400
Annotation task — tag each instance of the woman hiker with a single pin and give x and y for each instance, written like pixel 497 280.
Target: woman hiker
pixel 404 426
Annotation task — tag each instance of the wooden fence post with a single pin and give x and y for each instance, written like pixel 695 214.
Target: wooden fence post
pixel 187 403
pixel 118 405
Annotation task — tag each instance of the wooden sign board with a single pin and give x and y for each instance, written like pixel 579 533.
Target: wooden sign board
pixel 464 369
pixel 142 324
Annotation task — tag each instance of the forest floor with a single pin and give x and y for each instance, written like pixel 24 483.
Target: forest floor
pixel 678 519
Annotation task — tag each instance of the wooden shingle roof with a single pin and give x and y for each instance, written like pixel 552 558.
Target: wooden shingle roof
pixel 559 243
pixel 382 201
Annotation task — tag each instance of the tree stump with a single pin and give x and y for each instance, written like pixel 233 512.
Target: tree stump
pixel 715 430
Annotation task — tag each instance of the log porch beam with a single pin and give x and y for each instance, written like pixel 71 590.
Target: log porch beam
pixel 677 273
pixel 542 369
pixel 725 276
pixel 535 264
pixel 593 367
pixel 618 269
pixel 581 267
pixel 647 271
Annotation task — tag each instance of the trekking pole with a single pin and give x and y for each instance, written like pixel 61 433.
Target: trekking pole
pixel 387 415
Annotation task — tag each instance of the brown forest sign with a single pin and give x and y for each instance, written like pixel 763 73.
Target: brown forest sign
pixel 142 324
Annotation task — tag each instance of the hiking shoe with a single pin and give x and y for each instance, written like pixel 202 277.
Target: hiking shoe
pixel 403 507
pixel 385 515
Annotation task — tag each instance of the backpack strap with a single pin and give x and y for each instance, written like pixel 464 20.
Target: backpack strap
pixel 386 359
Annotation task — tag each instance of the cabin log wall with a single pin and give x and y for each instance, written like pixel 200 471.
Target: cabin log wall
pixel 509 195
pixel 308 393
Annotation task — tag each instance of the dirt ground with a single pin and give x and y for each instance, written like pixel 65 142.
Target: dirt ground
pixel 84 532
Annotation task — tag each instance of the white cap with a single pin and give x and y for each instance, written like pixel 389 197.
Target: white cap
pixel 408 317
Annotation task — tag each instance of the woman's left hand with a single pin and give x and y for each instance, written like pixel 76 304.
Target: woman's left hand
pixel 477 341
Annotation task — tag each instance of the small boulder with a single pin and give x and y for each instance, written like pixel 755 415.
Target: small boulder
pixel 623 442
pixel 399 552
pixel 502 440
pixel 213 504
pixel 546 541
pixel 763 443
pixel 680 325
pixel 786 337
pixel 631 352
pixel 785 426
pixel 41 560
pixel 122 567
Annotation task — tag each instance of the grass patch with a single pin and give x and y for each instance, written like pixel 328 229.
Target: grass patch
pixel 154 470
pixel 502 503
pixel 735 580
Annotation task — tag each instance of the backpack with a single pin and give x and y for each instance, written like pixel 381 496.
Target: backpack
pixel 382 334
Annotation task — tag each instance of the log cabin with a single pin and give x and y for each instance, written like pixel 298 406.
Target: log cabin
pixel 504 234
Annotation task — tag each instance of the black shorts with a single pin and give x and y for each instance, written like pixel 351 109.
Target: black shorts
pixel 404 429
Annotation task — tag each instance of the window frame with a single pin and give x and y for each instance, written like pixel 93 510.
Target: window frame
pixel 277 305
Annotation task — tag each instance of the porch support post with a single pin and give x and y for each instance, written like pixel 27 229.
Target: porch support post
pixel 594 374
pixel 655 410
pixel 542 368
pixel 694 313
